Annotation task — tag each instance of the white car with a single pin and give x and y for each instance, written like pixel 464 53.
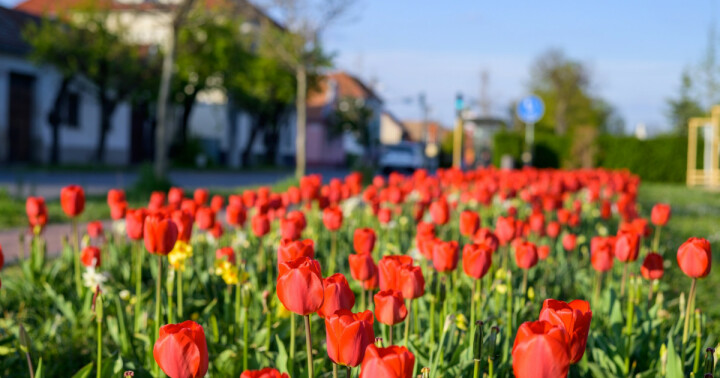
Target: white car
pixel 403 157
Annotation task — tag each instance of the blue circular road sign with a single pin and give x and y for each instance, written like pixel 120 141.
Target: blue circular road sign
pixel 530 109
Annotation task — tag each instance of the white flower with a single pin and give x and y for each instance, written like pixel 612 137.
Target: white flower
pixel 349 205
pixel 118 227
pixel 93 279
pixel 124 295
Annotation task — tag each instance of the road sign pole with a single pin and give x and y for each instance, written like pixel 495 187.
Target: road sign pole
pixel 457 137
pixel 529 144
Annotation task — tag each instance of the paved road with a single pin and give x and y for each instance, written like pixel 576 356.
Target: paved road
pixel 49 183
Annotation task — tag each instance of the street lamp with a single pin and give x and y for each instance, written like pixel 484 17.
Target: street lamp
pixel 457 140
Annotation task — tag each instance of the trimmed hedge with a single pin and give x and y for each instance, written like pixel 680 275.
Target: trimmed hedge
pixel 661 159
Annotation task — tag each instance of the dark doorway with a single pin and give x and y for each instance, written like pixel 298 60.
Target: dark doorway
pixel 141 134
pixel 22 95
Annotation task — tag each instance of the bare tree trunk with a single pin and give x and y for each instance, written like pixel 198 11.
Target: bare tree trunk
pixel 165 81
pixel 107 108
pixel 301 110
pixel 561 117
pixel 54 119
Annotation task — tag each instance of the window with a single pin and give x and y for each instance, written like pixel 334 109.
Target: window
pixel 70 112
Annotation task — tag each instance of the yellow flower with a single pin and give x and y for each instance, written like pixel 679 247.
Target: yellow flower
pixel 282 312
pixel 180 252
pixel 227 271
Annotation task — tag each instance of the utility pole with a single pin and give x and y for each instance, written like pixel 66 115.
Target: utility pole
pixel 457 140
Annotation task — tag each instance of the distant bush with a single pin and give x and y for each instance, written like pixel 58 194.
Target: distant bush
pixel 660 159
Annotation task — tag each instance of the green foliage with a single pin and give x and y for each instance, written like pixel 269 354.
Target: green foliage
pixel 667 153
pixel 354 116
pixel 684 107
pixel 660 159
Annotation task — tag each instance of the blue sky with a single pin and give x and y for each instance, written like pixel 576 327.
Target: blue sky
pixel 636 50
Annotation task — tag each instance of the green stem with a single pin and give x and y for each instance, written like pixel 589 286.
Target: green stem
pixel 491 373
pixel 624 278
pixel 308 342
pixel 416 319
pixel 407 322
pixel 656 239
pixel 99 348
pixel 524 283
pixel 349 372
pixel 158 289
pixel 628 326
pixel 179 294
pixel 170 315
pixel 363 305
pixel 476 369
pixel 292 342
pixel 245 338
pixel 598 287
pixel 138 283
pixel 698 342
pixel 333 253
pixel 335 370
pixel 432 310
pixel 688 311
pixel 390 334
pixel 76 247
pixel 471 334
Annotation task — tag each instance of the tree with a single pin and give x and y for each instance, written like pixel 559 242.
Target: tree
pixel 299 49
pixel 685 106
pixel 352 116
pixel 88 49
pixel 163 121
pixel 564 86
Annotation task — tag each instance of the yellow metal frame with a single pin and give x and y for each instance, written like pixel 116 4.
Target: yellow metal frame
pixel 704 177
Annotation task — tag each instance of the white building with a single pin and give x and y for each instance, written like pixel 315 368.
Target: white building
pixel 222 133
pixel 27 94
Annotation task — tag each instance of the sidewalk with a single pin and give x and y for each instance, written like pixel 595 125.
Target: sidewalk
pixel 53 234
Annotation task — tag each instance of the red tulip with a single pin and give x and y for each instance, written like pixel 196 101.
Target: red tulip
pixel 362 266
pixel 526 255
pixel 235 215
pixel 118 210
pixel 575 317
pixel 440 212
pixel 293 249
pixel 569 241
pixel 157 201
pixel 36 211
pixel 217 231
pixel 627 246
pixel 390 307
pixel 348 336
pixel 189 206
pixel 487 237
pixel 115 196
pixel 384 215
pixel 605 209
pixel 337 294
pixel 426 244
pixel 601 253
pixel 332 218
pixel 95 229
pixel 660 214
pixel 537 223
pixel 226 253
pixel 263 373
pixel 391 362
pixel 205 218
pixel 372 282
pixel 469 223
pixel 695 257
pixel 300 286
pixel 388 268
pixel 181 350
pixel 260 224
pixel 175 196
pixel 477 259
pixel 90 257
pixel 72 200
pixel 652 267
pixel 543 252
pixel 445 255
pixel 135 223
pixel 201 196
pixel 505 229
pixel 183 222
pixel 290 229
pixel 553 229
pixel 217 203
pixel 563 216
pixel 425 229
pixel 160 234
pixel 299 217
pixel 364 240
pixel 541 350
pixel 411 281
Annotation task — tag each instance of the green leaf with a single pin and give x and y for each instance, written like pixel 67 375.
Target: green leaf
pixel 282 358
pixel 85 371
pixel 39 370
pixel 24 340
pixel 674 364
